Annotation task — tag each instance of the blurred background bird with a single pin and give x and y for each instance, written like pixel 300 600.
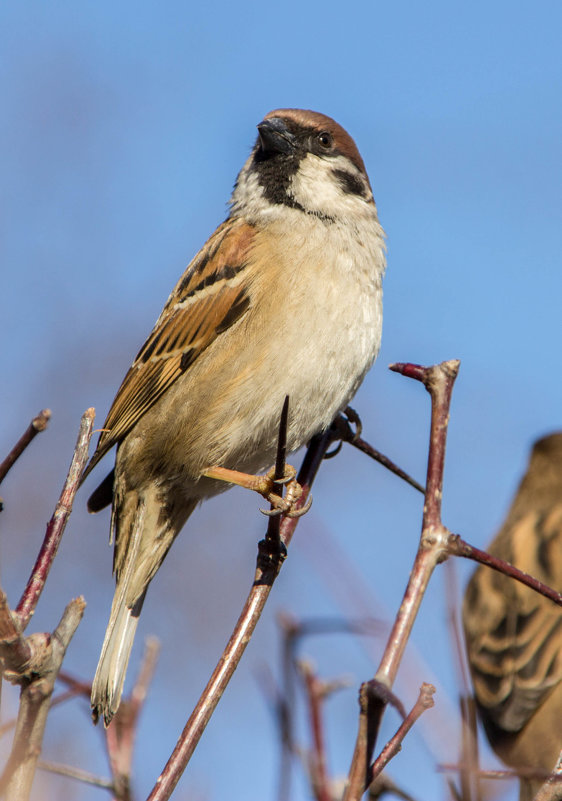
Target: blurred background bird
pixel 514 635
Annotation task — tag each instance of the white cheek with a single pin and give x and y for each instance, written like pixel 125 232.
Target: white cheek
pixel 315 188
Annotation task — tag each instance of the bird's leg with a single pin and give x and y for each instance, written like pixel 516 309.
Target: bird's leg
pixel 264 485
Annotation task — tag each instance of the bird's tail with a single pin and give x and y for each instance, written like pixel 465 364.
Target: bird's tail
pixel 107 686
pixel 144 531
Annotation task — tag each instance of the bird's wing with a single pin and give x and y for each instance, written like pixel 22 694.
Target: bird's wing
pixel 514 635
pixel 211 296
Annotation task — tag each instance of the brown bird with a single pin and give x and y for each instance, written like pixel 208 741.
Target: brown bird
pixel 514 635
pixel 285 298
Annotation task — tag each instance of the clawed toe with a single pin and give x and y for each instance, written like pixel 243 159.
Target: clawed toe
pixel 285 506
pixel 265 486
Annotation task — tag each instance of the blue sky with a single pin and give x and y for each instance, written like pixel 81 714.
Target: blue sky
pixel 122 128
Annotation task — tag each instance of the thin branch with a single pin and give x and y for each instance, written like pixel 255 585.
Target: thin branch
pixel 438 381
pixel 275 520
pixel 80 775
pixel 383 785
pixel 269 564
pixel 38 424
pixel 120 736
pixel 36 692
pixel 458 547
pixel 394 745
pixel 57 701
pixel 78 686
pixel 520 773
pixel 15 651
pixel 346 434
pixel 289 627
pixel 56 525
pixel 469 782
pixel 315 693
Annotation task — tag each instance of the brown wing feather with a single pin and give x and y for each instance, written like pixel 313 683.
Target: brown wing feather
pixel 209 298
pixel 514 634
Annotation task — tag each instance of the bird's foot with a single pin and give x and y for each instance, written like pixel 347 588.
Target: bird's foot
pixel 265 485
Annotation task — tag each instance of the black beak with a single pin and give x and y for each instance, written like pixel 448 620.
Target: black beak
pixel 275 137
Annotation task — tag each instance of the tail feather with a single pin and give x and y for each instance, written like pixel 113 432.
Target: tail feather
pixel 143 536
pixel 107 686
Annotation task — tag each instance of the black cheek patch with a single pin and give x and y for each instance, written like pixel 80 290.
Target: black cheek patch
pixel 351 184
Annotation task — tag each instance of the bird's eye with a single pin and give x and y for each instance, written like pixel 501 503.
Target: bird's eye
pixel 326 139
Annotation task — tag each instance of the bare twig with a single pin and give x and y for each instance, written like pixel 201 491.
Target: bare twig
pixel 15 651
pixel 78 686
pixel 120 736
pixel 80 775
pixel 315 694
pixel 56 525
pixel 38 424
pixel 394 745
pixel 56 701
pixel 438 380
pixel 269 563
pixel 289 627
pixel 37 688
pixel 469 781
pixel 500 775
pixel 458 547
pixel 346 434
pixel 275 520
pixel 383 785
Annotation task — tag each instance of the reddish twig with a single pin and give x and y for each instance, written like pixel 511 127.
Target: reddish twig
pixel 78 686
pixel 315 693
pixel 56 525
pixel 458 547
pixel 438 381
pixel 269 563
pixel 523 772
pixel 38 424
pixel 78 774
pixel 346 434
pixel 120 736
pixel 56 701
pixel 394 745
pixel 15 651
pixel 469 781
pixel 290 628
pixel 37 683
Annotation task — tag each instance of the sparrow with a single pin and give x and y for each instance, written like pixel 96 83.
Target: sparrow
pixel 285 298
pixel 514 635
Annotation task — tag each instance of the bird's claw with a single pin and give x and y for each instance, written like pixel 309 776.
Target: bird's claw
pixel 284 505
